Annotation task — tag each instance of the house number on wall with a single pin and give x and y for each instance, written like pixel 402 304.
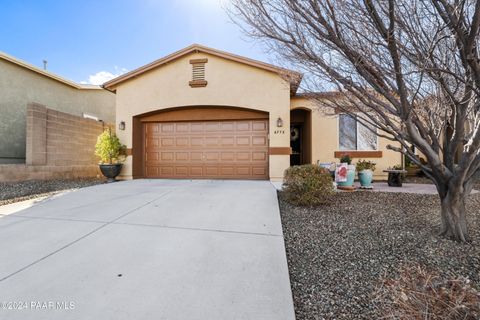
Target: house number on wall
pixel 279 132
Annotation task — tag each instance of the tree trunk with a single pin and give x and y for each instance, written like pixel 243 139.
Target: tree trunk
pixel 454 223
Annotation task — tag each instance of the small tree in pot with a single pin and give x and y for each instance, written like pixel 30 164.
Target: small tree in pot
pixel 111 153
pixel 365 170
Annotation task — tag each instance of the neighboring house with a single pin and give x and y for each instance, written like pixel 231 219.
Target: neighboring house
pixel 22 83
pixel 204 113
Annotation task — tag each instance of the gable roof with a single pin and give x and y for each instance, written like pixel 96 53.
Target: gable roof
pixel 25 65
pixel 293 77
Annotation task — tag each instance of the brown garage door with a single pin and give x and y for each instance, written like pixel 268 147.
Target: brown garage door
pixel 235 149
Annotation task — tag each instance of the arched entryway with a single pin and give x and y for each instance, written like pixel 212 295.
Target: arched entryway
pixel 301 136
pixel 201 142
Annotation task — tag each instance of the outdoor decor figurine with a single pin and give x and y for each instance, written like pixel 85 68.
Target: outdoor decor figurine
pixel 345 173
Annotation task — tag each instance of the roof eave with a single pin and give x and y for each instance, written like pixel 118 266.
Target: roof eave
pixel 111 84
pixel 45 73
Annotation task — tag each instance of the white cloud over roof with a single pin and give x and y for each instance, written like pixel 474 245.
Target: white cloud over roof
pixel 104 76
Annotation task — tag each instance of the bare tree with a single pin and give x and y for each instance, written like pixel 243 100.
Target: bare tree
pixel 409 68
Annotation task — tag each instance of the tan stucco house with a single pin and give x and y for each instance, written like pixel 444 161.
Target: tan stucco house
pixel 205 113
pixel 22 83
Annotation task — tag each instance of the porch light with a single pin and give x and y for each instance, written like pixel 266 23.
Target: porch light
pixel 279 122
pixel 121 125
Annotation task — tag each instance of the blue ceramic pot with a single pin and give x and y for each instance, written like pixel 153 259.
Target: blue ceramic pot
pixel 350 177
pixel 365 177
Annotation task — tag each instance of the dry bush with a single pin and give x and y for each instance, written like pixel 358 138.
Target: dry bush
pixel 308 185
pixel 421 294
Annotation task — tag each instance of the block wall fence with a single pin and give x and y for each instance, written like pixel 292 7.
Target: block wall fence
pixel 59 145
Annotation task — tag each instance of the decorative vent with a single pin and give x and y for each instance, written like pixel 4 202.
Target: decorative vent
pixel 198 73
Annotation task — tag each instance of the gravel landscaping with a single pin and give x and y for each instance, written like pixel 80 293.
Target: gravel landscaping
pixel 338 253
pixel 11 192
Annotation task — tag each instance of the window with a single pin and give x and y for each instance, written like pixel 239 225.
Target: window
pixel 355 136
pixel 198 73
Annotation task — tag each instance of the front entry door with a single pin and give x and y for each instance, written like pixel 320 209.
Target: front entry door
pixel 296 144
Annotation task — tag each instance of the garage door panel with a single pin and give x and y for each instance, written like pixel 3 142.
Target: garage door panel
pixel 211 156
pixel 212 171
pixel 227 141
pixel 167 142
pixel 259 126
pixel 243 171
pixel 196 141
pixel 259 141
pixel 152 171
pixel 196 171
pixel 211 141
pixel 227 126
pixel 243 156
pixel 167 156
pixel 182 156
pixel 167 128
pixel 151 128
pixel 196 127
pixel 182 127
pixel 151 156
pixel 259 171
pixel 212 127
pixel 196 156
pixel 227 156
pixel 243 125
pixel 182 171
pixel 151 143
pixel 227 171
pixel 243 141
pixel 182 142
pixel 207 149
pixel 259 156
pixel 167 170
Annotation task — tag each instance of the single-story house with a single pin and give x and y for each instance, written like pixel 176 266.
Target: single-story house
pixel 205 113
pixel 22 83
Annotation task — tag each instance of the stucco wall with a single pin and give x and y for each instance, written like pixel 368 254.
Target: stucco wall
pixel 325 138
pixel 229 84
pixel 20 86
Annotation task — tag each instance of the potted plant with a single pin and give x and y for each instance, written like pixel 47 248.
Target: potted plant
pixel 365 170
pixel 412 169
pixel 346 159
pixel 111 153
pixel 403 176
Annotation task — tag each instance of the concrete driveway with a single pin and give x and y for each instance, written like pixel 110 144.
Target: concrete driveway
pixel 147 249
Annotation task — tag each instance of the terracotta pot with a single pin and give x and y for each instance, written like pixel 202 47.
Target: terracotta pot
pixel 412 171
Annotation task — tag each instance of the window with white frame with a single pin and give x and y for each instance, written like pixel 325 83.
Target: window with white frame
pixel 355 136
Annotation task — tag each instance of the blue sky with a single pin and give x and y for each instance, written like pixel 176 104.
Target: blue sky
pixel 88 40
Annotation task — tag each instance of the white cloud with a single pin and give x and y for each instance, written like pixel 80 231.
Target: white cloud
pixel 103 76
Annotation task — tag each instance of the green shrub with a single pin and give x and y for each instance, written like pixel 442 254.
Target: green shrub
pixel 346 159
pixel 365 165
pixel 308 185
pixel 109 148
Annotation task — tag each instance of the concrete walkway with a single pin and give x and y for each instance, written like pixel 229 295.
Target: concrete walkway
pixel 417 188
pixel 147 249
